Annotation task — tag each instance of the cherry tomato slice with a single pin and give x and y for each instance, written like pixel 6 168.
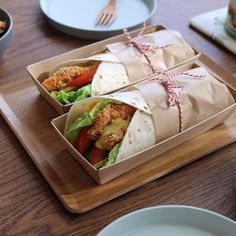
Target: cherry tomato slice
pixel 97 155
pixel 83 79
pixel 83 141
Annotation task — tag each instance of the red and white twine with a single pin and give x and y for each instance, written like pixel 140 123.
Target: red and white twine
pixel 173 98
pixel 143 48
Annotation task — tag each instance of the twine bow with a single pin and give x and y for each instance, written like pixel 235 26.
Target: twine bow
pixel 173 98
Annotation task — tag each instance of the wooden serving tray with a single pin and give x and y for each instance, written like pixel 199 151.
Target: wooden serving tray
pixel 29 116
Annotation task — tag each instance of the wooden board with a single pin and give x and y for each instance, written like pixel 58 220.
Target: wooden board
pixel 29 116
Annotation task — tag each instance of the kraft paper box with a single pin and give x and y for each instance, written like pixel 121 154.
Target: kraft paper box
pixel 168 139
pixel 134 63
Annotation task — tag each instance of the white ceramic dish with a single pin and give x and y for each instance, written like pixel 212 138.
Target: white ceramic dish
pixel 78 17
pixel 171 220
pixel 5 38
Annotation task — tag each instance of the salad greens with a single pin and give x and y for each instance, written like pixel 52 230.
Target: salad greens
pixel 66 97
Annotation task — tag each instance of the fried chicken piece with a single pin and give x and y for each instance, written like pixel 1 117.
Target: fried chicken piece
pixel 109 113
pixel 114 138
pixel 3 25
pixel 59 79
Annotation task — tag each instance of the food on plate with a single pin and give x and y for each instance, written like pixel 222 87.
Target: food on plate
pixel 111 128
pixel 3 27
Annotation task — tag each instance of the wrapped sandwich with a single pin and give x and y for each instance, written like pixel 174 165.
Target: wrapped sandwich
pixel 111 128
pixel 120 66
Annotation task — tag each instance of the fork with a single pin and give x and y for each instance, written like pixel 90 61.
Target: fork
pixel 107 14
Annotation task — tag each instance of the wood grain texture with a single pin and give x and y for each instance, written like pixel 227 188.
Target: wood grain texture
pixel 77 191
pixel 28 206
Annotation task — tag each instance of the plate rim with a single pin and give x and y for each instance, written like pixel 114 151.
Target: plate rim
pixel 172 207
pixel 10 27
pixel 100 30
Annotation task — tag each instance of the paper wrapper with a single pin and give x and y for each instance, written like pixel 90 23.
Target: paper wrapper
pixel 154 121
pixel 125 64
pixel 162 59
pixel 201 98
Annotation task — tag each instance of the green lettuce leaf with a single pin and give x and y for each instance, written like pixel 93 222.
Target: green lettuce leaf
pixel 83 121
pixel 112 155
pixel 67 97
pixel 100 164
pixel 86 92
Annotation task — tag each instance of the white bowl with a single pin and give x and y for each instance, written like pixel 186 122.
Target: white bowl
pixel 6 37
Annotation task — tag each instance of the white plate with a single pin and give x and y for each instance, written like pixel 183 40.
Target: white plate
pixel 172 220
pixel 77 17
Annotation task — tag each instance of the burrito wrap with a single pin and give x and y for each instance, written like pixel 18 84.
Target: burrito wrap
pixel 125 64
pixel 154 120
pixel 162 59
pixel 200 98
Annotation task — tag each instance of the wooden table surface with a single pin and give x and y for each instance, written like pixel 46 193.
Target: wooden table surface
pixel 28 206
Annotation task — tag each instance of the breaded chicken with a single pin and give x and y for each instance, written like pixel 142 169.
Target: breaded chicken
pixel 3 25
pixel 114 138
pixel 109 113
pixel 59 79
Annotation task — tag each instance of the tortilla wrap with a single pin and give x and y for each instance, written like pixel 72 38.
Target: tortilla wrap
pixel 163 59
pixel 154 121
pixel 110 75
pixel 117 71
